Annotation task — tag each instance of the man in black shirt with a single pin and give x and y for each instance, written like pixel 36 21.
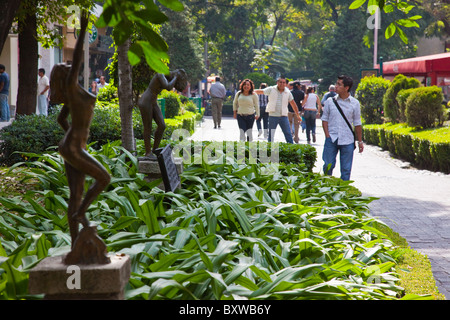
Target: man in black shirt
pixel 298 95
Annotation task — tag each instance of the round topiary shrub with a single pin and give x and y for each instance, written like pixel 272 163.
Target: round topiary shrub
pixel 370 93
pixel 424 107
pixel 172 104
pixel 392 109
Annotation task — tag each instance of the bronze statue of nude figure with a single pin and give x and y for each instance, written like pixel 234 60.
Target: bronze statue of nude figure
pixel 87 247
pixel 148 105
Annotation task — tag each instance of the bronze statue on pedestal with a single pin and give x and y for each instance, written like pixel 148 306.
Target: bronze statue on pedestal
pixel 87 246
pixel 148 106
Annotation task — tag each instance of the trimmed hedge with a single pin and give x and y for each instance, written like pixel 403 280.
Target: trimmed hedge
pixel 426 149
pixel 35 134
pixel 303 155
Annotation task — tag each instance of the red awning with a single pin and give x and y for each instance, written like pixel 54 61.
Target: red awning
pixel 419 65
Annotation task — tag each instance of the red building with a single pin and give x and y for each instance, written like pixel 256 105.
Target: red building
pixel 429 70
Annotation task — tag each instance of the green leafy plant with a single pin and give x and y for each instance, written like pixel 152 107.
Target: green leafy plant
pixel 229 232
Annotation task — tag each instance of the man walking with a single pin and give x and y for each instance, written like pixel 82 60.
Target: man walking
pixel 339 137
pixel 298 95
pixel 277 107
pixel 218 94
pixel 4 91
pixel 330 94
pixel 43 86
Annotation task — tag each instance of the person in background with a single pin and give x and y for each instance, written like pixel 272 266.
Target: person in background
pixel 330 94
pixel 102 83
pixel 94 88
pixel 277 107
pixel 263 115
pixel 245 105
pixel 309 105
pixel 338 135
pixel 218 94
pixel 43 86
pixel 298 95
pixel 4 92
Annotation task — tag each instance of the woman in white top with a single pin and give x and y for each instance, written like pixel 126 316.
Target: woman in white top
pixel 309 105
pixel 245 106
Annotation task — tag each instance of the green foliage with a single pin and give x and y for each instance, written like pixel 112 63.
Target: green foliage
pixel 424 107
pixel 370 94
pixel 185 51
pixel 302 155
pixel 29 133
pixel 36 134
pixel 352 54
pixel 230 232
pixel 108 93
pixel 172 104
pixel 391 106
pixel 124 16
pixel 259 78
pixel 402 97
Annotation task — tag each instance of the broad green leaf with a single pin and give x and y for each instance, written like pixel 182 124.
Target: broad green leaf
pixel 390 30
pixel 356 4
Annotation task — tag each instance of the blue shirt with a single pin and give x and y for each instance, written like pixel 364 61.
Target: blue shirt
pixel 5 79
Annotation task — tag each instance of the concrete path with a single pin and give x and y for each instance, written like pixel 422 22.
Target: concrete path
pixel 414 203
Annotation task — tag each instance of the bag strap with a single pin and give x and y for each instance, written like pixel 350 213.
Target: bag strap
pixel 343 115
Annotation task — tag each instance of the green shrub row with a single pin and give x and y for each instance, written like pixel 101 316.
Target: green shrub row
pixel 302 155
pixel 35 134
pixel 426 149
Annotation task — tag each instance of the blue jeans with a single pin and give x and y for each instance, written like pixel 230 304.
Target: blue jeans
pixel 310 119
pixel 42 105
pixel 330 151
pixel 264 117
pixel 4 108
pixel 284 125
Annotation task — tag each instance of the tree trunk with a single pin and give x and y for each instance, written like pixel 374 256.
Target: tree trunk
pixel 9 10
pixel 126 97
pixel 28 65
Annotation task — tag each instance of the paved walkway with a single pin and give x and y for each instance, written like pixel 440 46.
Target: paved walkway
pixel 414 203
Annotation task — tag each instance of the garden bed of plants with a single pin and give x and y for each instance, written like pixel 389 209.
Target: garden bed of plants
pixel 230 232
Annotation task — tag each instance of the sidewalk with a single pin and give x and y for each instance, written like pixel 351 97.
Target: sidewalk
pixel 4 124
pixel 414 203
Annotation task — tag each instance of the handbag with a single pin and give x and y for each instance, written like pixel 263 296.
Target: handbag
pixel 345 118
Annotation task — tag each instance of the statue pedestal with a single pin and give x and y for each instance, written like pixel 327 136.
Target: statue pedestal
pixel 152 169
pixel 59 281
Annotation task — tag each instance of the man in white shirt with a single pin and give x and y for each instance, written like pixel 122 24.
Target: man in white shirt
pixel 218 94
pixel 43 86
pixel 338 135
pixel 102 83
pixel 277 107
